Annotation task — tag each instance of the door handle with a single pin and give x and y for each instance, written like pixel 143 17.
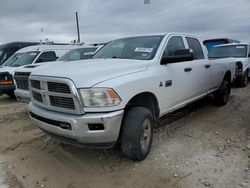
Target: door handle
pixel 187 69
pixel 207 66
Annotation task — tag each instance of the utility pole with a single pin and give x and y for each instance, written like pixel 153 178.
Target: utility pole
pixel 78 30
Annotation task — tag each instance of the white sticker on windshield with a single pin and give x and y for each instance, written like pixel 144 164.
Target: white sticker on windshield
pixel 33 54
pixel 240 46
pixel 89 53
pixel 147 50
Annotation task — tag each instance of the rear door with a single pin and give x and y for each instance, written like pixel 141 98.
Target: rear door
pixel 201 68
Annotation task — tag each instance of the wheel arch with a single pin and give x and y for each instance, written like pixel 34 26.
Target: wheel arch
pixel 228 76
pixel 147 100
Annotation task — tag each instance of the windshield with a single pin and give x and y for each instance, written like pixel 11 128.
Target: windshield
pixel 3 56
pixel 19 59
pixel 229 51
pixel 78 54
pixel 140 48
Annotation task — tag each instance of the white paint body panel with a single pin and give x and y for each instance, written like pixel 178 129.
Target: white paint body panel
pixel 131 77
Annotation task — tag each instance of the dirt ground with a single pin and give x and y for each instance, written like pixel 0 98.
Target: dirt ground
pixel 198 146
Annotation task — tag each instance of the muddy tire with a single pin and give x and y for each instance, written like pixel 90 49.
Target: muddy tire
pixel 221 96
pixel 137 133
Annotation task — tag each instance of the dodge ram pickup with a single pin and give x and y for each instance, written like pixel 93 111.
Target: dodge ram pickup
pixel 118 96
pixel 241 53
pixel 21 76
pixel 28 56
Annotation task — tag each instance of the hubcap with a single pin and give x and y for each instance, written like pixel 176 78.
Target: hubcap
pixel 145 135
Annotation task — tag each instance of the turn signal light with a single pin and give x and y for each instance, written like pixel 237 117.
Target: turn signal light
pixel 6 82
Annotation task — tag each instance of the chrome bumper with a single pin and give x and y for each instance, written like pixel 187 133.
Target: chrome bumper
pixel 74 129
pixel 22 95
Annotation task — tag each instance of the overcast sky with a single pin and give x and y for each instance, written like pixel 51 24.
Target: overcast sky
pixel 104 20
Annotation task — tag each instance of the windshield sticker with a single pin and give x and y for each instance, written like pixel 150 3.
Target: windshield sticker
pixel 33 54
pixel 240 47
pixel 147 50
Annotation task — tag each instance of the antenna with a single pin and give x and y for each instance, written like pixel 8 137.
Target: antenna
pixel 78 30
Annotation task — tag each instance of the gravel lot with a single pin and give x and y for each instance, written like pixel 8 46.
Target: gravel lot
pixel 198 146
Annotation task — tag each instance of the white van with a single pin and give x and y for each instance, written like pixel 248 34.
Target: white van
pixel 28 56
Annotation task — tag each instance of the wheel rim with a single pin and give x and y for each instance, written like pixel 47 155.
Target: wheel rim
pixel 145 135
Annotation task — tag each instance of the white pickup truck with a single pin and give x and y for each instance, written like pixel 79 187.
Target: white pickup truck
pixel 119 95
pixel 21 75
pixel 241 53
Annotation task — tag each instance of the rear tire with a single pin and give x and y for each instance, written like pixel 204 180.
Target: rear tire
pixel 221 96
pixel 137 133
pixel 243 81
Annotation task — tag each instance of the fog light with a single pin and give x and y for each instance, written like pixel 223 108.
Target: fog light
pixel 96 127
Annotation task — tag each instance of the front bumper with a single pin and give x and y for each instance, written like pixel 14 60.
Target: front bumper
pixel 22 95
pixel 7 88
pixel 79 133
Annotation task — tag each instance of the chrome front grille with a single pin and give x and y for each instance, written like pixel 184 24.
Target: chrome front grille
pixel 55 94
pixel 35 84
pixel 37 96
pixel 21 79
pixel 62 102
pixel 58 87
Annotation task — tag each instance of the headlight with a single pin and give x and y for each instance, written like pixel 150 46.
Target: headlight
pixel 100 97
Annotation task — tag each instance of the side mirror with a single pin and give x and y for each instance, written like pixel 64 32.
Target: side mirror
pixel 249 55
pixel 179 56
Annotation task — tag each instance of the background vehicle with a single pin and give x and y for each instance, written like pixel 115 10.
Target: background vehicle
pixel 28 56
pixel 22 75
pixel 122 91
pixel 8 49
pixel 241 53
pixel 210 43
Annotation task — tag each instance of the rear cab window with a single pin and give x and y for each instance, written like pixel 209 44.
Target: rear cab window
pixel 195 45
pixel 46 57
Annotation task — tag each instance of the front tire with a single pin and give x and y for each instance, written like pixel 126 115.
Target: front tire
pixel 137 133
pixel 221 96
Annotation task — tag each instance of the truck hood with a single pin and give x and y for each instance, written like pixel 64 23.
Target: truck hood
pixel 11 70
pixel 87 73
pixel 32 67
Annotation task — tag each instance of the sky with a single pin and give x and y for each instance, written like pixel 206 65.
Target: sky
pixel 105 20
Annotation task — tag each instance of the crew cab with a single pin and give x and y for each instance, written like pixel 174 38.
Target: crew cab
pixel 27 56
pixel 119 94
pixel 21 76
pixel 241 53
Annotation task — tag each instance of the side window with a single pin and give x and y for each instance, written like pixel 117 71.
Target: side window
pixel 47 56
pixel 174 43
pixel 195 45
